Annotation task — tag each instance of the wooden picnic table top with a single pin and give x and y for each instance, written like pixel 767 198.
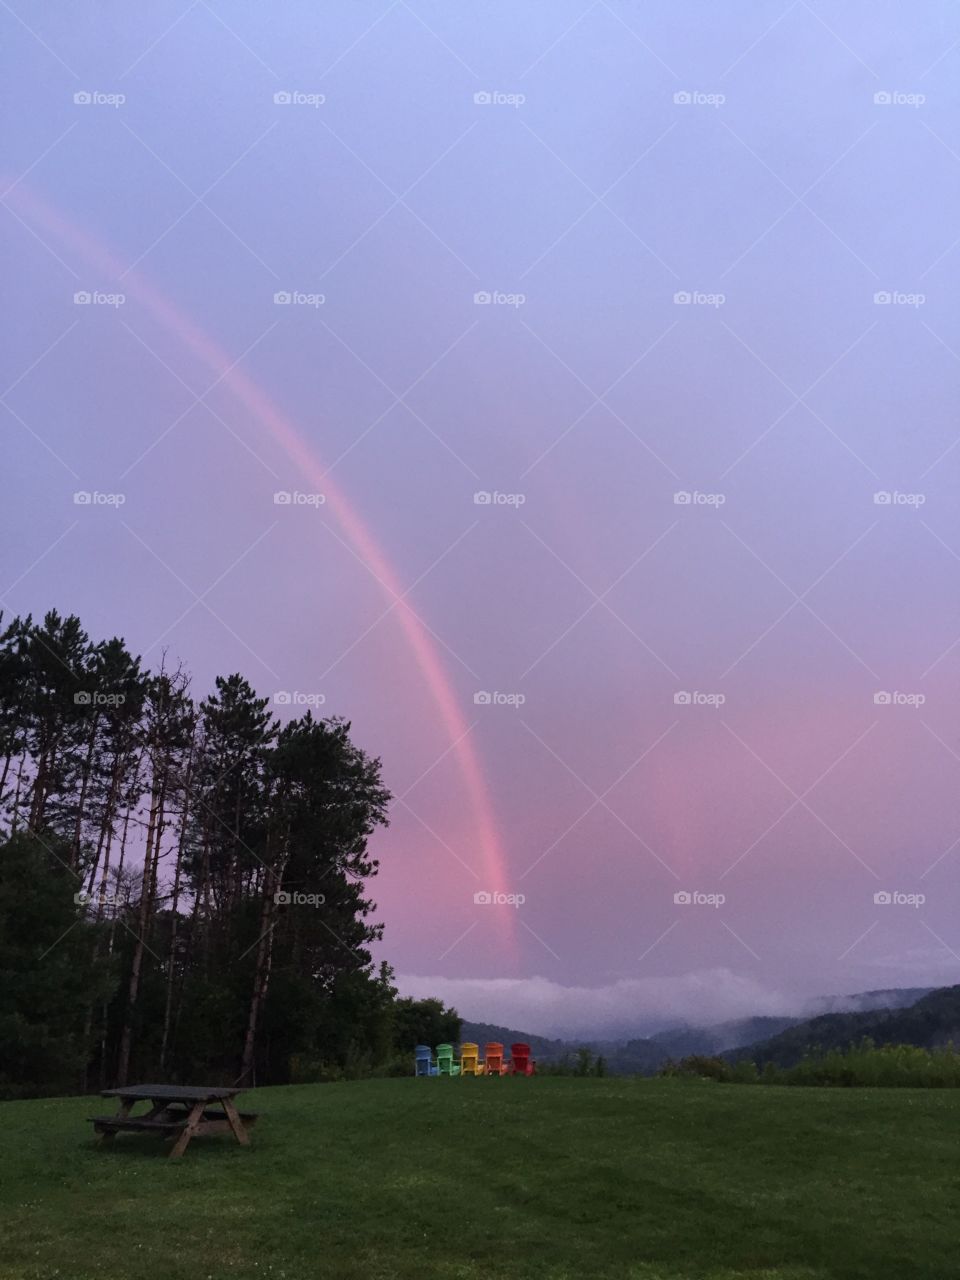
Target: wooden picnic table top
pixel 173 1092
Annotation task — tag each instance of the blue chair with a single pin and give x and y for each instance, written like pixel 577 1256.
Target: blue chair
pixel 424 1064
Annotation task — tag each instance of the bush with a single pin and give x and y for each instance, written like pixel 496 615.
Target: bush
pixel 700 1066
pixel 860 1066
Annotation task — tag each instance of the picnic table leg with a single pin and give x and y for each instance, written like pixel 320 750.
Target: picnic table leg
pixel 187 1132
pixel 126 1105
pixel 236 1124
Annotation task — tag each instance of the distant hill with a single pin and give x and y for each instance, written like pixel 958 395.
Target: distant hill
pixel 682 1041
pixel 930 1022
pixel 784 1040
pixel 546 1050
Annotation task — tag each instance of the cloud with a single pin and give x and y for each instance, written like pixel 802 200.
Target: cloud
pixel 542 1007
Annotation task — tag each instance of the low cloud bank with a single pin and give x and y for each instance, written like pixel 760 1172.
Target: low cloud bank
pixel 634 1006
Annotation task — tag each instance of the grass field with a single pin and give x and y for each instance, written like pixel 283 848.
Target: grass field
pixel 546 1178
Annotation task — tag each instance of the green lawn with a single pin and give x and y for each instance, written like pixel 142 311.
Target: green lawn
pixel 516 1178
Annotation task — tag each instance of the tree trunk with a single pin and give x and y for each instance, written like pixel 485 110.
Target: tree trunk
pixel 154 827
pixel 261 978
pixel 174 916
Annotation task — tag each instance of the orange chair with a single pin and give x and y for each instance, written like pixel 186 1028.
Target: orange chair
pixel 494 1063
pixel 470 1064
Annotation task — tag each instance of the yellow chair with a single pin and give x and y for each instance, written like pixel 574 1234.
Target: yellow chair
pixel 470 1064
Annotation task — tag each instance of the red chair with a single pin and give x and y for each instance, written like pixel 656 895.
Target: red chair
pixel 521 1064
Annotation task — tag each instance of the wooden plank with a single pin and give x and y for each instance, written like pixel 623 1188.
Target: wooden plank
pixel 172 1092
pixel 113 1124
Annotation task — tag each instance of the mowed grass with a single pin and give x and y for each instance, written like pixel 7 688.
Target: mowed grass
pixel 502 1179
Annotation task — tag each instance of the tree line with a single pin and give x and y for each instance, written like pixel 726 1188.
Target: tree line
pixel 183 882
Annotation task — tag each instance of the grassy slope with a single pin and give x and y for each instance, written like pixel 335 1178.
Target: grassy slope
pixel 545 1178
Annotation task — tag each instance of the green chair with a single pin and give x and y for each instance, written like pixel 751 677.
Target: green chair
pixel 445 1060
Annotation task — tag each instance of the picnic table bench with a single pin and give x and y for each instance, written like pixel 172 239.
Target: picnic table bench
pixel 176 1111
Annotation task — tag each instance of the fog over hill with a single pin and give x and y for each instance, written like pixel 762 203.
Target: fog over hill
pixel 645 1051
pixel 638 1008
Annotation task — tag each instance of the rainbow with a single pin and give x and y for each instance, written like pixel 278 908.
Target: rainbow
pixel 357 532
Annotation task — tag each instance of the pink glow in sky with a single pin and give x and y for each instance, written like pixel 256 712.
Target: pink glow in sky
pixel 592 261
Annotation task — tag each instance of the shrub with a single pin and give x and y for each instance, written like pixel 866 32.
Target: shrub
pixel 701 1066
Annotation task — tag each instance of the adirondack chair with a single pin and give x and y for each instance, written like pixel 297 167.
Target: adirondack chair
pixel 424 1064
pixel 521 1064
pixel 445 1061
pixel 470 1064
pixel 493 1059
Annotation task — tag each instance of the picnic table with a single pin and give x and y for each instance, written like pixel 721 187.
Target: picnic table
pixel 180 1111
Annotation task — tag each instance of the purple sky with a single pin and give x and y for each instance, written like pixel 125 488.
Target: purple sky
pixel 783 166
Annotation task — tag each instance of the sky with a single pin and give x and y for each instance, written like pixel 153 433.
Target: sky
pixel 565 393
